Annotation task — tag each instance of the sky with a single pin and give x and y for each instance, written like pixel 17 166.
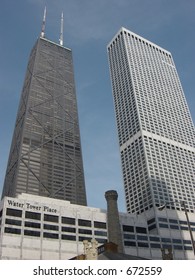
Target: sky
pixel 89 25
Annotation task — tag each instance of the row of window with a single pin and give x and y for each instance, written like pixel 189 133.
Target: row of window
pixel 51 235
pixel 54 219
pixel 156 245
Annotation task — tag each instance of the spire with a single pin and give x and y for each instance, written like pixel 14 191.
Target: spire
pixel 43 24
pixel 61 30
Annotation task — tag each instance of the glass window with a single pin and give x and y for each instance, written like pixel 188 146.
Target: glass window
pixel 51 218
pixel 163 220
pixel 129 236
pixel 174 227
pixel 68 220
pixel 177 247
pixel 141 244
pixel 130 243
pixel 142 237
pixel 187 248
pixel 151 221
pixel 163 225
pixel 68 229
pixel 177 241
pixel 152 227
pixel 12 230
pixel 128 228
pixel 32 215
pixel 173 221
pixel 100 232
pixel 13 222
pixel 81 238
pixel 166 240
pixel 31 232
pixel 101 240
pixel 51 227
pixel 141 230
pixel 154 238
pixel 13 212
pixel 183 222
pixel 85 231
pixel 68 237
pixel 85 223
pixel 50 235
pixel 155 245
pixel 33 225
pixel 99 224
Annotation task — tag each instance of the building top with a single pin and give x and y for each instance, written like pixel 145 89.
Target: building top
pixel 125 30
pixel 58 203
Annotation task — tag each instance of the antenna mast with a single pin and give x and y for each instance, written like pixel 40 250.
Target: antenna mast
pixel 61 30
pixel 43 24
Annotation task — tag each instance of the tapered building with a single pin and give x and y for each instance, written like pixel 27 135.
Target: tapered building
pixel 155 129
pixel 45 157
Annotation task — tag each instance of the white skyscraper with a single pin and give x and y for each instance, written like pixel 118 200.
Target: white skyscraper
pixel 155 129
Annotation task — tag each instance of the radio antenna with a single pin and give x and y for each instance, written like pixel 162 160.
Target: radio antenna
pixel 61 29
pixel 43 24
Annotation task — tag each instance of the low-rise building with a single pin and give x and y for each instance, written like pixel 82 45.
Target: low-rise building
pixel 34 227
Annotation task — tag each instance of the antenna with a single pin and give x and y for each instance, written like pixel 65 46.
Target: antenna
pixel 61 30
pixel 43 24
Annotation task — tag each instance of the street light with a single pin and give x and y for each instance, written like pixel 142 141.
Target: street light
pixel 160 208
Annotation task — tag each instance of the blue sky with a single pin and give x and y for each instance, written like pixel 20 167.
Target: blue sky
pixel 89 25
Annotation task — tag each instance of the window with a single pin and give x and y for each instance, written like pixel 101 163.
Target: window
pixel 102 233
pixel 33 225
pixel 154 238
pixel 141 244
pixel 68 229
pixel 155 245
pixel 174 227
pixel 31 233
pixel 81 238
pixel 13 222
pixel 99 224
pixel 129 236
pixel 128 228
pixel 51 218
pixel 12 230
pixel 141 230
pixel 85 231
pixel 163 225
pixel 32 215
pixel 51 227
pixel 151 221
pixel 177 241
pixel 50 235
pixel 166 240
pixel 68 237
pixel 101 240
pixel 130 243
pixel 68 220
pixel 13 212
pixel 85 223
pixel 142 237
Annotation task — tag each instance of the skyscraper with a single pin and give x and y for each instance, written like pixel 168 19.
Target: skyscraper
pixel 45 157
pixel 155 129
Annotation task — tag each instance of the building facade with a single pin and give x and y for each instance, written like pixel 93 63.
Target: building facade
pixel 42 228
pixel 155 129
pixel 45 157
